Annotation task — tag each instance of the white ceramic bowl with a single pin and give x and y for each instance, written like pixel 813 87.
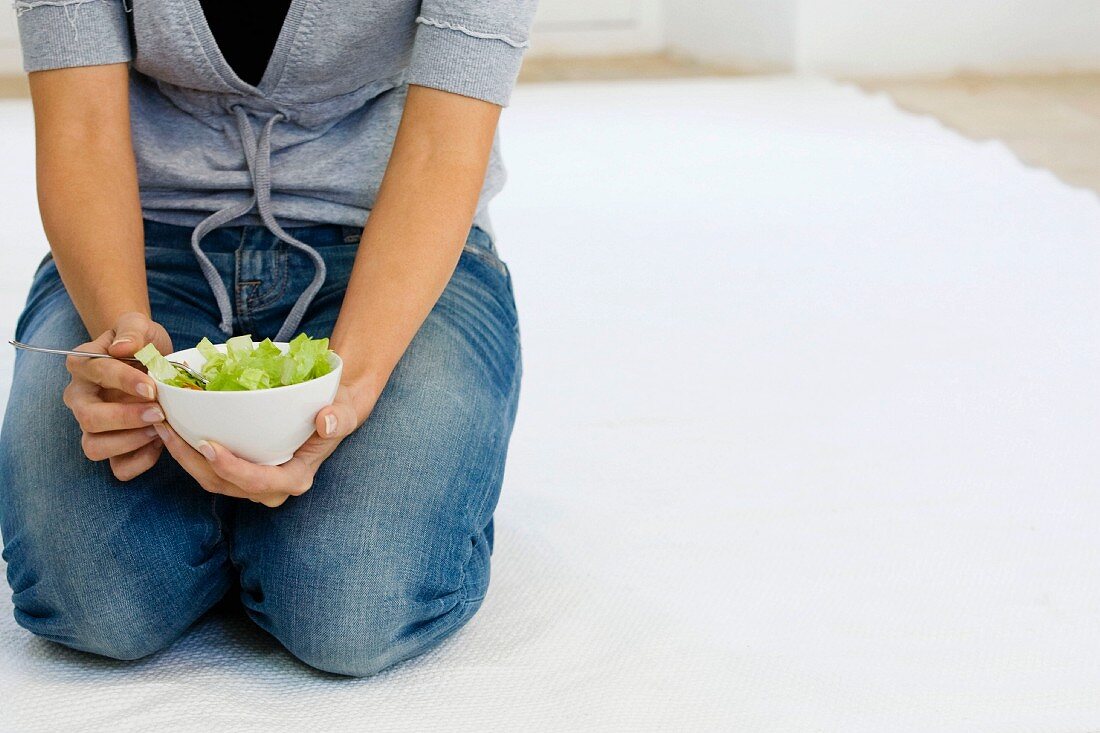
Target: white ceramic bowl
pixel 264 426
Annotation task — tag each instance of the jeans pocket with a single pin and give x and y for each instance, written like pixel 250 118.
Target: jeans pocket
pixel 480 245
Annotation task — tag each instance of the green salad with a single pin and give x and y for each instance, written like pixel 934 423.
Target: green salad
pixel 245 365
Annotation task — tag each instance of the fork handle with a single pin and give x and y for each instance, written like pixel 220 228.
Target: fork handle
pixel 69 352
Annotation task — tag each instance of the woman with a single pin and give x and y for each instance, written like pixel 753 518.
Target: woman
pixel 207 168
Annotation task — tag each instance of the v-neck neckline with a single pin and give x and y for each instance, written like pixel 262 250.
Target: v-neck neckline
pixel 273 71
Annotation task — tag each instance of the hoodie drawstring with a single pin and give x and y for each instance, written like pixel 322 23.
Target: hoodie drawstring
pixel 257 154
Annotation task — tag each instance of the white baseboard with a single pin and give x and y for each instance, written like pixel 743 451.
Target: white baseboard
pixel 603 28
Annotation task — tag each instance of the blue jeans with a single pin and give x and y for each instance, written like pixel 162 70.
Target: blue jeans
pixel 386 555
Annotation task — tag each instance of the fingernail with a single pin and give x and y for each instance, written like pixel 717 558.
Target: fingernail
pixel 206 449
pixel 161 432
pixel 330 425
pixel 152 415
pixel 145 390
pixel 122 340
pixel 151 431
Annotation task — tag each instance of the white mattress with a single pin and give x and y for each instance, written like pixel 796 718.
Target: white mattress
pixel 808 442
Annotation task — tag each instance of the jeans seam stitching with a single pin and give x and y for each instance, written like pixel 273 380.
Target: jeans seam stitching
pixel 240 309
pixel 277 292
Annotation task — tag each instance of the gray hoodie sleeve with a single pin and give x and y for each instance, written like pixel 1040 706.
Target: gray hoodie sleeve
pixel 471 47
pixel 56 34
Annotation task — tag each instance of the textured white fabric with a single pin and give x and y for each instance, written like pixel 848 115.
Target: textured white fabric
pixel 807 442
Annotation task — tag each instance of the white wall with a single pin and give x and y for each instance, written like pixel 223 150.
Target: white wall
pixel 749 34
pixel 11 60
pixel 598 27
pixel 911 37
pixel 845 37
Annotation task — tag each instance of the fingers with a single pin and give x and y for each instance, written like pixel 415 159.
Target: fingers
pixel 113 401
pixel 96 416
pixel 189 458
pixel 131 465
pixel 291 478
pixel 203 472
pixel 333 424
pixel 337 421
pixel 108 373
pixel 275 500
pixel 99 346
pixel 101 446
pixel 111 374
pixel 132 331
pixel 119 426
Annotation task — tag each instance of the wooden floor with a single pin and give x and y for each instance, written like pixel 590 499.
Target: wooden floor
pixel 13 87
pixel 1049 121
pixel 649 66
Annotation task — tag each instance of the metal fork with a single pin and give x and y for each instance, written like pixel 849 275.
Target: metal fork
pixel 68 352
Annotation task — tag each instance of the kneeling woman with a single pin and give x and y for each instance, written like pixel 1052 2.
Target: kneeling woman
pixel 266 168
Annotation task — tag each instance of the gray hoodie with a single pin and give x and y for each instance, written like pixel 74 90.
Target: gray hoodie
pixel 310 142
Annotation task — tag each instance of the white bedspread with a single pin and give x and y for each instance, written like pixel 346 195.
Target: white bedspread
pixel 808 442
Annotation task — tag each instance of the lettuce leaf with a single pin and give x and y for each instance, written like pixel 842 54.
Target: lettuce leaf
pixel 159 368
pixel 247 366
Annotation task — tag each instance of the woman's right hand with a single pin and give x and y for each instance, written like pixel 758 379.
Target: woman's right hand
pixel 114 402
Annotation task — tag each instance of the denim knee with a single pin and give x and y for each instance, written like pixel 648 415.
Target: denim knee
pixel 123 598
pixel 364 644
pixel 383 614
pixel 111 625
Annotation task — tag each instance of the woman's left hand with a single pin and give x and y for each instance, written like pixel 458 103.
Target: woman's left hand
pixel 220 472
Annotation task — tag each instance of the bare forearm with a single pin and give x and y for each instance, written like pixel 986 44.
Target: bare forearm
pixel 415 233
pixel 88 191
